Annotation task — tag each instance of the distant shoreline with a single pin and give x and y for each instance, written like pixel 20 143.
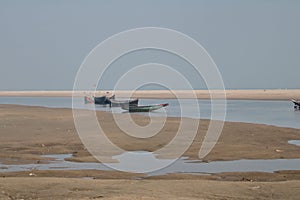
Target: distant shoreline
pixel 268 94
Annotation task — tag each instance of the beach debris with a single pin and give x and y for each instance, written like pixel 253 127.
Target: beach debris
pixel 255 187
pixel 279 150
pixel 32 174
pixel 97 197
pixel 247 179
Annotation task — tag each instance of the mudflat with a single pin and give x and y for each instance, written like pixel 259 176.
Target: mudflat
pixel 27 133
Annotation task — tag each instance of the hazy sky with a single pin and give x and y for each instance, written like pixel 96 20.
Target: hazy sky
pixel 254 43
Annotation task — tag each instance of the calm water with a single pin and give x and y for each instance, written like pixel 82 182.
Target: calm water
pixel 295 142
pixel 179 166
pixel 278 113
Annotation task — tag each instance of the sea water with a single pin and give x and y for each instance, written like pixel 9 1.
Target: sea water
pixel 277 113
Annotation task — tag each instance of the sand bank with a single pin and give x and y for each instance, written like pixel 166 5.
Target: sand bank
pixel 201 94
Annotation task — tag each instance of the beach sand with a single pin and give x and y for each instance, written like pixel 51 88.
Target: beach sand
pixel 72 188
pixel 29 132
pixel 274 94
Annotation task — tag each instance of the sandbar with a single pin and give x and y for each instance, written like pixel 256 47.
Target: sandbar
pixel 259 94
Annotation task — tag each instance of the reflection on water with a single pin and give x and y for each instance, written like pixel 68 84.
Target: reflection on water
pixel 140 162
pixel 179 166
pixel 278 113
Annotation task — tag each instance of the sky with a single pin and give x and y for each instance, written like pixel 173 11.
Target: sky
pixel 254 43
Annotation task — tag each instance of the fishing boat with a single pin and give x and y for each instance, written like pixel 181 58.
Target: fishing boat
pixel 296 104
pixel 102 100
pixel 148 108
pixel 119 103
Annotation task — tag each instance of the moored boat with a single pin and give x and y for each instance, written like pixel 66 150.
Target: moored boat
pixel 120 103
pixel 148 108
pixel 102 100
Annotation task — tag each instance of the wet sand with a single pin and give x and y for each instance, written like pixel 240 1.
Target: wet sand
pixel 268 94
pixel 29 132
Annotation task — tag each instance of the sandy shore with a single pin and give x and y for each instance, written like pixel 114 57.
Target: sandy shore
pixel 201 94
pixel 62 188
pixel 29 132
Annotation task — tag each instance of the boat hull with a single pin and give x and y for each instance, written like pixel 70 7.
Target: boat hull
pixel 118 103
pixel 101 100
pixel 144 108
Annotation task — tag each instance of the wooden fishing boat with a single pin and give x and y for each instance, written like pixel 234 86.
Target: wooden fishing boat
pixel 119 103
pixel 103 100
pixel 148 108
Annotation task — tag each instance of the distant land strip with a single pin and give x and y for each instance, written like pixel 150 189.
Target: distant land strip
pixel 269 94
